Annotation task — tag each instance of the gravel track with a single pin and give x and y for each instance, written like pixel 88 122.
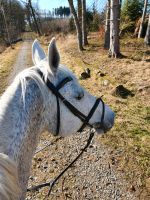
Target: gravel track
pixel 93 177
pixel 23 60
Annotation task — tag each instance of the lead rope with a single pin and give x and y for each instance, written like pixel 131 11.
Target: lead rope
pixel 53 182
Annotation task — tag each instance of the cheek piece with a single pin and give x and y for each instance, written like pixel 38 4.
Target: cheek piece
pixel 85 119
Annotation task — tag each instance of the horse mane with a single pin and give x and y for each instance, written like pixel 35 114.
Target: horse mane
pixel 32 74
pixel 9 184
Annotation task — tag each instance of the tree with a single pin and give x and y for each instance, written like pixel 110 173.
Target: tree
pixel 34 17
pixel 114 49
pixel 12 20
pixel 147 36
pixel 84 23
pixel 143 18
pixel 66 11
pixel 77 24
pixel 62 11
pixel 107 26
pixel 132 10
pixel 79 11
pixel 5 22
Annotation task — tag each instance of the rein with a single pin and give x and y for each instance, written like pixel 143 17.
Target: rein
pixel 85 119
pixel 52 183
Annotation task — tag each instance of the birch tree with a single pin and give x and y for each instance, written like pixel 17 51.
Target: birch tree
pixel 147 36
pixel 107 26
pixel 77 24
pixel 114 50
pixel 143 18
pixel 84 23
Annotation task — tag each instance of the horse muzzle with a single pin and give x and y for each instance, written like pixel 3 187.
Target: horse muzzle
pixel 106 125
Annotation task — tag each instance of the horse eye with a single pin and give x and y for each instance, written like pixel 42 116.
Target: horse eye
pixel 80 96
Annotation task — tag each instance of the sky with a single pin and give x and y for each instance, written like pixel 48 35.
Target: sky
pixel 50 4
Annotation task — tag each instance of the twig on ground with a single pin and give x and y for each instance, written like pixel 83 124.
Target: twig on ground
pixel 47 145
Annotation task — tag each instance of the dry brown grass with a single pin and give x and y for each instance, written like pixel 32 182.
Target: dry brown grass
pixel 2 48
pixel 131 133
pixel 7 58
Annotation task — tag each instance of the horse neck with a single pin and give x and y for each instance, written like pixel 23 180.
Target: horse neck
pixel 20 125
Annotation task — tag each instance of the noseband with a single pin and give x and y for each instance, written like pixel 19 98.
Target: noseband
pixel 75 111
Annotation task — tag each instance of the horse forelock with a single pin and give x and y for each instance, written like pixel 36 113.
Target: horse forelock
pixel 31 73
pixel 9 184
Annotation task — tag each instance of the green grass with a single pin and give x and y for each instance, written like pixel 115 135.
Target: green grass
pixel 139 132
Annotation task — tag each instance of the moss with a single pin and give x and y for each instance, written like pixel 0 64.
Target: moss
pixel 139 132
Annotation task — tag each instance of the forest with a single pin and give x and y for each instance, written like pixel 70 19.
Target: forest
pixel 117 20
pixel 106 43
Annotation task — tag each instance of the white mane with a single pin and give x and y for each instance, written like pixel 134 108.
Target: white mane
pixel 32 74
pixel 9 184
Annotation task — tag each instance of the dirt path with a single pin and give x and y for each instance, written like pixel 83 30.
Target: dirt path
pixel 23 60
pixel 95 176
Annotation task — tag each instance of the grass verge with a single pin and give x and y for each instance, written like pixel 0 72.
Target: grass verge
pixel 7 59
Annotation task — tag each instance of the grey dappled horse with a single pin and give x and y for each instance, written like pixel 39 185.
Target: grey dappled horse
pixel 32 104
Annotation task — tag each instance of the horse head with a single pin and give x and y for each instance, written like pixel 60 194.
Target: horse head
pixel 94 113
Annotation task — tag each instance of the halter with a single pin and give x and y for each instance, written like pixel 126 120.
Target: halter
pixel 75 111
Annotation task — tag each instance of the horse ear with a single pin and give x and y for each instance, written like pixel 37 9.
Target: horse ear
pixel 37 52
pixel 53 56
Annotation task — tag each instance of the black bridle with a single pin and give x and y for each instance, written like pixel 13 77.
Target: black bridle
pixel 75 111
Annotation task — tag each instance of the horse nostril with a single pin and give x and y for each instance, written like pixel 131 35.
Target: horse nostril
pixel 80 96
pixel 97 125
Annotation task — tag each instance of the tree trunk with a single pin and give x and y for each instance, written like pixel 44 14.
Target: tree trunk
pixel 143 18
pixel 84 23
pixel 107 27
pixel 34 17
pixel 77 25
pixel 79 15
pixel 114 50
pixel 28 15
pixel 6 26
pixel 147 36
pixel 79 10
